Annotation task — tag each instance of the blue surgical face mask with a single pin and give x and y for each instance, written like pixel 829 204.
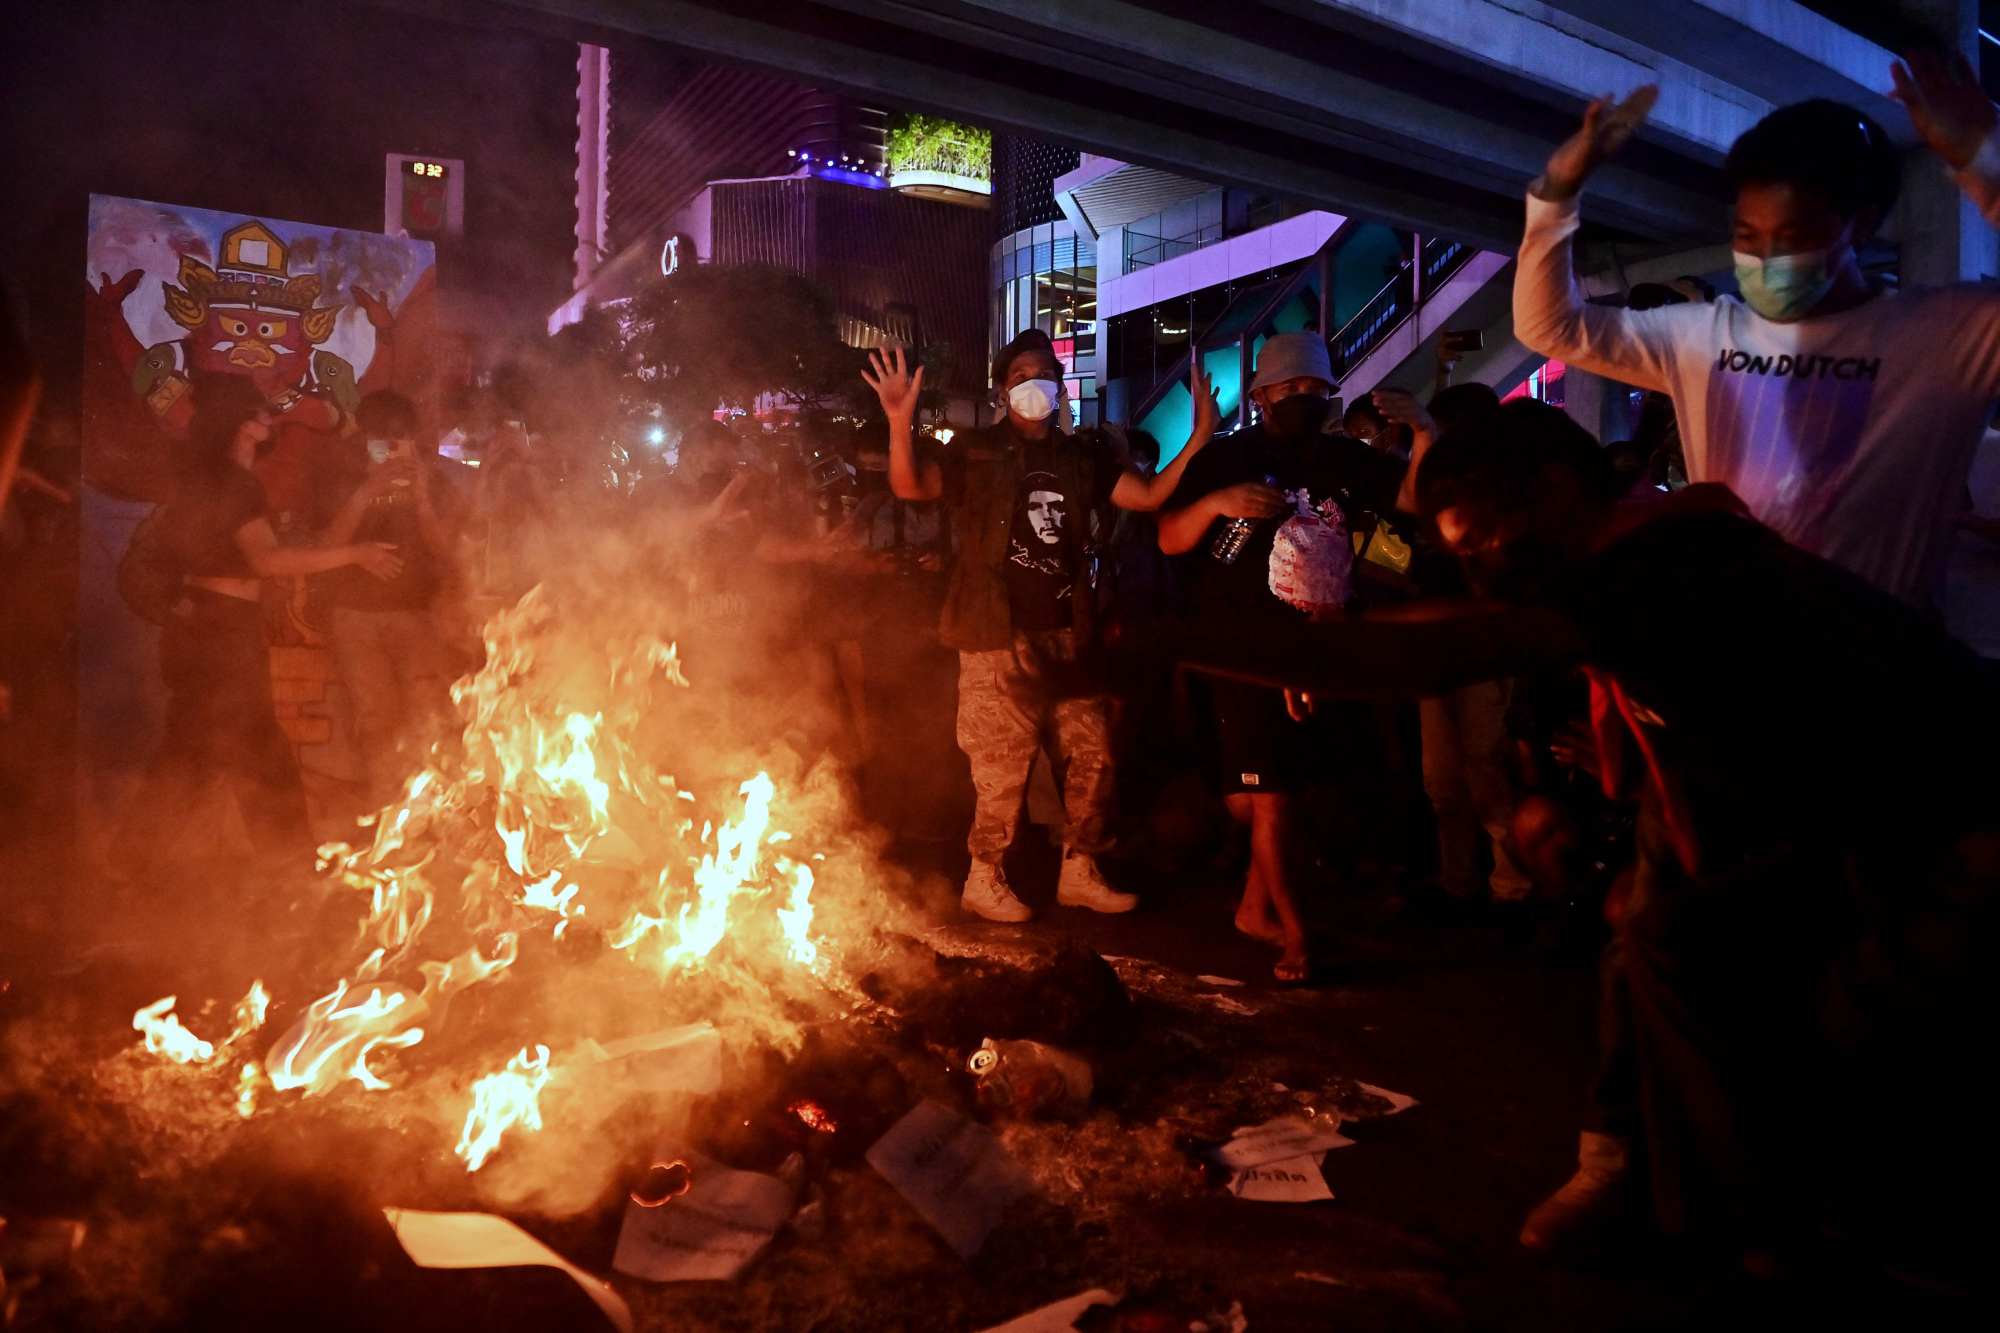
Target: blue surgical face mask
pixel 1787 287
pixel 1032 400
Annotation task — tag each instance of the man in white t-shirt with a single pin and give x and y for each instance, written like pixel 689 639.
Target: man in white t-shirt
pixel 1844 415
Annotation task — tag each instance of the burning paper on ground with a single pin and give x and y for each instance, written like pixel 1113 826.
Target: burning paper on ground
pixel 707 1231
pixel 481 1240
pixel 953 1172
pixel 686 1060
pixel 1059 1317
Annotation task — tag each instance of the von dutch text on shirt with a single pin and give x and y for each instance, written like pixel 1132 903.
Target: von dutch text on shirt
pixel 1735 361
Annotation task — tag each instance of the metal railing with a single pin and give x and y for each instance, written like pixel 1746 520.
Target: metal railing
pixel 1437 258
pixel 1284 292
pixel 1433 261
pixel 1143 250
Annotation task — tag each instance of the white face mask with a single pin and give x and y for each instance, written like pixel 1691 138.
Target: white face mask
pixel 1033 400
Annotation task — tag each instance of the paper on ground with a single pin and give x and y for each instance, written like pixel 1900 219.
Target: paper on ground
pixel 1057 1318
pixel 953 1172
pixel 1292 1180
pixel 1279 1139
pixel 710 1233
pixel 683 1060
pixel 482 1240
pixel 1398 1102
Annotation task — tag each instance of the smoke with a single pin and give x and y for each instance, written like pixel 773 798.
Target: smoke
pixel 632 710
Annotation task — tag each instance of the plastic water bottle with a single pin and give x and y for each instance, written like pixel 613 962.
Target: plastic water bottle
pixel 1235 535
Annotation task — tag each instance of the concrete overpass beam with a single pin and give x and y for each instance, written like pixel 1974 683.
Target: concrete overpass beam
pixel 1561 55
pixel 1256 83
pixel 1776 50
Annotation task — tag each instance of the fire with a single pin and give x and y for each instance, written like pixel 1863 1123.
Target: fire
pixel 665 1182
pixel 814 1116
pixel 165 1035
pixel 550 814
pixel 333 1042
pixel 795 918
pixel 724 878
pixel 250 1012
pixel 247 1083
pixel 502 1100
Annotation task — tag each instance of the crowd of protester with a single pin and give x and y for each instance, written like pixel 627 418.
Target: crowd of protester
pixel 1751 743
pixel 1751 726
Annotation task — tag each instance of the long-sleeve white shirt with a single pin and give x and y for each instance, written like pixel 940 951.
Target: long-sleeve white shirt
pixel 1850 434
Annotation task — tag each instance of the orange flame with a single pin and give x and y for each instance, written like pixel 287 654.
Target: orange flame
pixel 502 1100
pixel 552 796
pixel 165 1035
pixel 332 1042
pixel 814 1116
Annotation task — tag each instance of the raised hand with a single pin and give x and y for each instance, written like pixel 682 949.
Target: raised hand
pixel 1607 124
pixel 1946 104
pixel 1207 411
pixel 1401 406
pixel 889 375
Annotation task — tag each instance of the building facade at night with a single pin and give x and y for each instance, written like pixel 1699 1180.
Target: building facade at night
pixel 738 167
pixel 1185 267
pixel 1044 271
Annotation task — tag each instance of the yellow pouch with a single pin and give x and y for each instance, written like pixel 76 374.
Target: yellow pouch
pixel 1385 548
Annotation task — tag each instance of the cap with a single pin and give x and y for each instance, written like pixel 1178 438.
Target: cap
pixel 1027 340
pixel 1288 356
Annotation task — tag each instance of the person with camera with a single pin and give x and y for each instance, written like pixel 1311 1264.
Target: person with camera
pixel 1029 509
pixel 391 657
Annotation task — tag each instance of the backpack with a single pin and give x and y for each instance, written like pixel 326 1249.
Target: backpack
pixel 150 572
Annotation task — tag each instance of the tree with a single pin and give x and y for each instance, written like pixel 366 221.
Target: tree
pixel 712 335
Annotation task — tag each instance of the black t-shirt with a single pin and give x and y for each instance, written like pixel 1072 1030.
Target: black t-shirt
pixel 1787 693
pixel 1328 470
pixel 1049 530
pixel 205 515
pixel 1042 548
pixel 391 518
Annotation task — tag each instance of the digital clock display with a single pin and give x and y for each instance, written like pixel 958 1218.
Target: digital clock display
pixel 429 170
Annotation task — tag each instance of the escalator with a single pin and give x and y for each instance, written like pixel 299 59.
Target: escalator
pixel 1318 292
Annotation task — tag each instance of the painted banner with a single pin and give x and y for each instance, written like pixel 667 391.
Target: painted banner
pixel 175 298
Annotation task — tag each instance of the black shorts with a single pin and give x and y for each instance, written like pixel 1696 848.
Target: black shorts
pixel 1259 747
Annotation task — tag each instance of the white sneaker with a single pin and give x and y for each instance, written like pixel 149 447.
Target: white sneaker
pixel 1596 1198
pixel 988 894
pixel 1082 885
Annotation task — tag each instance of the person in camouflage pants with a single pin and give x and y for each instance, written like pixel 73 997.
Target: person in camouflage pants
pixel 1007 705
pixel 1029 506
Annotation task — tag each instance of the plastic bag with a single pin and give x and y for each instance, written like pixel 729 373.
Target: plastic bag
pixel 1312 563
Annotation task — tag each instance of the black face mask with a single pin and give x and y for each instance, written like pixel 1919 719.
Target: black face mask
pixel 1298 417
